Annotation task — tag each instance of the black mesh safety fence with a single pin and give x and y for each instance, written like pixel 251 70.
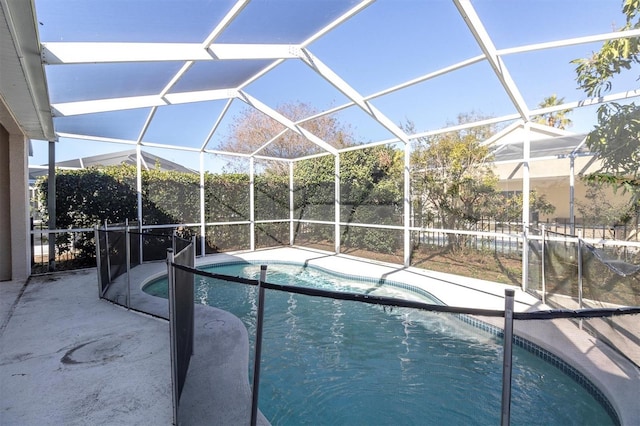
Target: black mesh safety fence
pixel 181 317
pixel 121 251
pixel 117 254
pixel 103 261
pixel 611 275
pixel 155 244
pixel 443 354
pixel 569 272
pixel 561 268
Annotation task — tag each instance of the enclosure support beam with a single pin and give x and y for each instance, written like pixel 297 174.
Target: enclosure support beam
pixel 407 204
pixel 291 224
pixel 252 214
pixel 488 48
pixel 526 189
pixel 203 228
pixel 337 204
pixel 51 205
pixel 572 183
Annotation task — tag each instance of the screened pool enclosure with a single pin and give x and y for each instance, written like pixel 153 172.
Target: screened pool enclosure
pixel 304 122
pixel 450 136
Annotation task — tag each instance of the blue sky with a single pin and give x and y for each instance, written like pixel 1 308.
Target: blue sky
pixel 388 43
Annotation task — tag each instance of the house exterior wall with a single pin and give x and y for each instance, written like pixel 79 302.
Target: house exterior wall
pixel 5 212
pixel 552 179
pixel 15 256
pixel 20 232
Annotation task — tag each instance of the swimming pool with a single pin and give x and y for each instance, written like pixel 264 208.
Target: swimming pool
pixel 338 362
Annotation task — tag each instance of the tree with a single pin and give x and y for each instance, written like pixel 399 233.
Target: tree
pixel 616 137
pixel 452 178
pixel 509 206
pixel 598 210
pixel 252 129
pixel 554 119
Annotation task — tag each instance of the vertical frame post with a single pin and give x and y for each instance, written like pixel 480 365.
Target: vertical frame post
pixel 258 349
pixel 572 184
pixel 139 191
pixel 507 359
pixel 252 212
pixel 51 206
pixel 127 253
pixel 336 203
pixel 526 208
pixel 291 206
pixel 579 260
pixel 172 324
pixel 407 204
pixel 106 239
pixel 96 231
pixel 174 234
pixel 203 227
pixel 140 243
pixel 542 266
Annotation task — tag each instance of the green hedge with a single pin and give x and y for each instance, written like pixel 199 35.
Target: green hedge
pixel 371 193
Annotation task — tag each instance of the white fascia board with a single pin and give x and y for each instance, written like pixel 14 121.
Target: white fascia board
pixel 249 100
pixel 86 53
pixel 56 53
pixel 103 105
pixel 336 81
pixel 133 102
pixel 476 27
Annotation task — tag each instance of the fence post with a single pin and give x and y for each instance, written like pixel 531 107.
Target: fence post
pixel 33 242
pixel 127 253
pixel 140 242
pixel 258 349
pixel 506 365
pixel 96 230
pixel 174 234
pixel 172 324
pixel 579 257
pixel 525 257
pixel 106 239
pixel 542 256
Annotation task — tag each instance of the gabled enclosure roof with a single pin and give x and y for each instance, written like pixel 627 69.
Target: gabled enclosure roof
pixel 177 74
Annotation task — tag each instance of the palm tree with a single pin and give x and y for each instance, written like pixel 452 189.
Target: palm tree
pixel 554 119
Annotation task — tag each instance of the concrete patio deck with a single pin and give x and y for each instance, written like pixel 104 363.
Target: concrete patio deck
pixel 67 357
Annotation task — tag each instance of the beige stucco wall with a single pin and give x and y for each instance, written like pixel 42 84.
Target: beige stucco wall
pixel 552 178
pixel 15 257
pixel 5 212
pixel 20 232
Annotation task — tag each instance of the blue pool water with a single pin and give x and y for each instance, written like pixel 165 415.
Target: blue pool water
pixel 328 362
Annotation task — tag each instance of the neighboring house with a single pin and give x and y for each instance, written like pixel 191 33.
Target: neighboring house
pixel 555 156
pixel 149 161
